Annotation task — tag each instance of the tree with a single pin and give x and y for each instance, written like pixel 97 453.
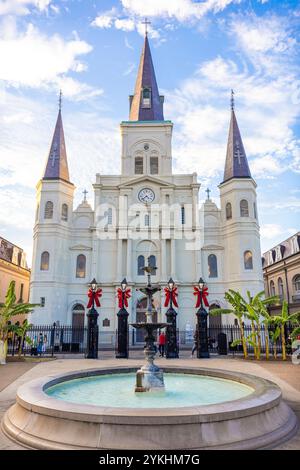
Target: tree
pixel 7 311
pixel 238 309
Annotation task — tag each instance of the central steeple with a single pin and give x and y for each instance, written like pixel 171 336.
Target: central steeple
pixel 146 104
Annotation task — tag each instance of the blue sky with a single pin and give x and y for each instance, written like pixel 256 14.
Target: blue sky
pixel 201 49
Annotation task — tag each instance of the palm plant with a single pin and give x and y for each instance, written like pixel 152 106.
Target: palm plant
pixel 235 299
pixel 8 310
pixel 281 321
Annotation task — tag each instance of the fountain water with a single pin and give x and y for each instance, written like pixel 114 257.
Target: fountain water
pixel 149 377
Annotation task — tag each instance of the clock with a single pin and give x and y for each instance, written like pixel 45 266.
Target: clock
pixel 146 195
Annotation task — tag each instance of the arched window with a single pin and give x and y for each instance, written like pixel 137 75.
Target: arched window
pixel 140 265
pixel 244 210
pixel 64 212
pixel 296 284
pixel 154 165
pixel 280 288
pixel 147 220
pixel 152 263
pixel 80 266
pixel 45 261
pixel 106 322
pixel 272 288
pixel 212 266
pixel 248 260
pixel 48 210
pixel 228 211
pixel 146 102
pixel 138 166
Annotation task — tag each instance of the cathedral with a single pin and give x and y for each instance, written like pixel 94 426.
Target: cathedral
pixel 145 215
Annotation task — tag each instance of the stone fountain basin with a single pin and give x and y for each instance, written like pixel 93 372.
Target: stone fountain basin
pixel 258 421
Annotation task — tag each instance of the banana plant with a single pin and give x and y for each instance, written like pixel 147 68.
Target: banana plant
pixel 256 310
pixel 8 310
pixel 281 320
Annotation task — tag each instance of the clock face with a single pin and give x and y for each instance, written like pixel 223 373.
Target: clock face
pixel 146 195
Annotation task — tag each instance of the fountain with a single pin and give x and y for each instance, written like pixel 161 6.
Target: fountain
pixel 149 377
pixel 200 408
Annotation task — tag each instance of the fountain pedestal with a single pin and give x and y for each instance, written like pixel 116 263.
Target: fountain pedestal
pixel 149 377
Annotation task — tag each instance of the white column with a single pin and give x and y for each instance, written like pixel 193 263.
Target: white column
pixel 129 257
pixel 173 260
pixel 163 260
pixel 119 261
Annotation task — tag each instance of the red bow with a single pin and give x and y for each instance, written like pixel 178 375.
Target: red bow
pixel 201 295
pixel 171 294
pixel 126 294
pixel 94 295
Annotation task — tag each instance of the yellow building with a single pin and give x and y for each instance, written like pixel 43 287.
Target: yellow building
pixel 13 267
pixel 281 268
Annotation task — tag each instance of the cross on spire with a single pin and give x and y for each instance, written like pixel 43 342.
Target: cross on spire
pixel 208 191
pixel 60 100
pixel 84 195
pixel 232 100
pixel 146 22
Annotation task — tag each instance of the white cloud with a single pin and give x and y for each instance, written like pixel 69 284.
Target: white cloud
pixel 32 59
pixel 267 107
pixel 182 10
pixel 22 7
pixel 125 24
pixel 271 231
pixel 26 129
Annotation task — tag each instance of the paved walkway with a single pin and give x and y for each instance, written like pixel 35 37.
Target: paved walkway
pixel 286 375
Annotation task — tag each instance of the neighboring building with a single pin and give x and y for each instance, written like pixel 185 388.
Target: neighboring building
pixel 146 211
pixel 13 267
pixel 281 268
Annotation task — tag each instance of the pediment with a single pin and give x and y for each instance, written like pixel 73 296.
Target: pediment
pixel 80 248
pixel 146 179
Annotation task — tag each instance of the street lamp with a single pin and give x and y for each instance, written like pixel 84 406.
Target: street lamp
pixel 122 335
pixel 201 284
pixel 93 330
pixel 202 344
pixel 171 314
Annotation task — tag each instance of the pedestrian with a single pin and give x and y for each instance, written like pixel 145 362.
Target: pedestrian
pixel 195 345
pixel 162 343
pixel 40 344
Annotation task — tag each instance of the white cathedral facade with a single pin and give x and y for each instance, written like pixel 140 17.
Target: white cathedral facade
pixel 145 214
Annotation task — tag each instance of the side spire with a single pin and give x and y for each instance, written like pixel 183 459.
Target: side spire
pixel 146 104
pixel 236 165
pixel 57 162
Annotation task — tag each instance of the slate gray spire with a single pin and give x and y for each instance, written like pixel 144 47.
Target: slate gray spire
pixel 146 104
pixel 236 165
pixel 57 163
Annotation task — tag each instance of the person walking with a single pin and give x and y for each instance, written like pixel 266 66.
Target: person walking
pixel 162 343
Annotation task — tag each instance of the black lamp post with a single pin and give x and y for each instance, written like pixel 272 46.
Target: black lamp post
pixel 93 330
pixel 171 345
pixel 122 336
pixel 202 343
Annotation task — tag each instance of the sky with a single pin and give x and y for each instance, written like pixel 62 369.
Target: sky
pixel 201 50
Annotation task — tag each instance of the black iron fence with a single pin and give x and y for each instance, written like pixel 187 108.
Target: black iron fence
pixel 54 340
